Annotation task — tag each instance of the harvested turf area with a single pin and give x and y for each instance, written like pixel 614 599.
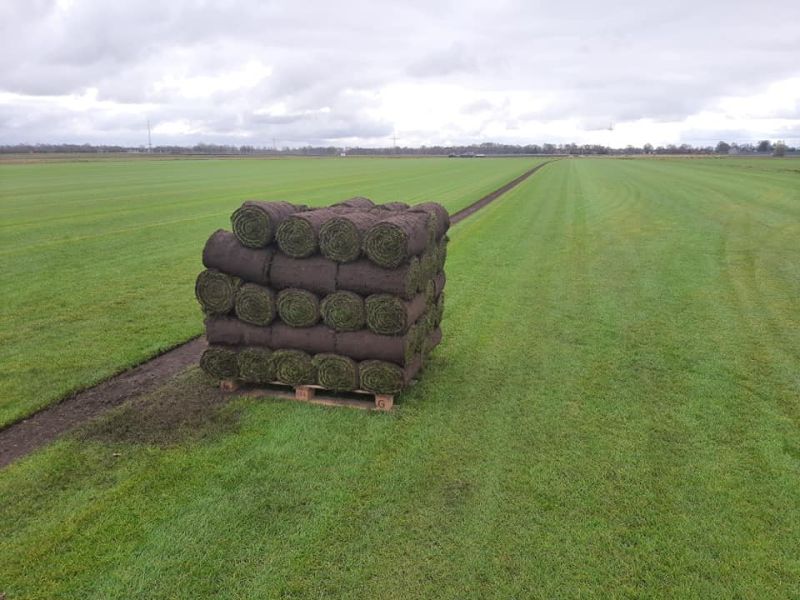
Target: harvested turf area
pixel 620 420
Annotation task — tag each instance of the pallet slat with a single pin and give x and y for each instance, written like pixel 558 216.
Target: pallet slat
pixel 308 393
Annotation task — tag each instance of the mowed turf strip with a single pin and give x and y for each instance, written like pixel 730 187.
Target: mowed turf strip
pixel 612 413
pixel 99 257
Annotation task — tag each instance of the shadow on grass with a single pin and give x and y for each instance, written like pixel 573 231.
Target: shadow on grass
pixel 188 407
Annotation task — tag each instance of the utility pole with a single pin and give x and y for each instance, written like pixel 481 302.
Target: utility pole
pixel 394 142
pixel 149 141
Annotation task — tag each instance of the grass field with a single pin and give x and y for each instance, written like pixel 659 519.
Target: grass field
pixel 99 257
pixel 613 413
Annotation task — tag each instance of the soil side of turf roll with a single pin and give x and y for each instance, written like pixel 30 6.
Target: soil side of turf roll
pixel 27 435
pixel 390 206
pixel 439 282
pixel 364 277
pixel 316 274
pixel 224 253
pixel 316 340
pixel 365 345
pixel 356 203
pixel 233 332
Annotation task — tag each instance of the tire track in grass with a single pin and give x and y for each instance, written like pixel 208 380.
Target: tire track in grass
pixel 23 437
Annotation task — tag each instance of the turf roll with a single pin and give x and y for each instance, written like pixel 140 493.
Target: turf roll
pixel 224 253
pixel 336 372
pixel 430 293
pixel 293 367
pixel 255 304
pixel 364 277
pixel 358 203
pixel 434 339
pixel 441 253
pixel 343 311
pixel 365 345
pixel 298 235
pixel 255 222
pixel 396 238
pixel 390 207
pixel 342 237
pixel 439 309
pixel 216 291
pixel 381 377
pixel 316 274
pixel 428 265
pixel 440 218
pixel 227 330
pixel 314 339
pixel 391 315
pixel 298 308
pixel 255 365
pixel 438 282
pixel 220 362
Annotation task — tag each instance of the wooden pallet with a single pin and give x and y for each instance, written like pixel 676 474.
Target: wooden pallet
pixel 308 393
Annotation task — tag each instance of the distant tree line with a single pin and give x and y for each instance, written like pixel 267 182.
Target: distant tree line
pixel 763 147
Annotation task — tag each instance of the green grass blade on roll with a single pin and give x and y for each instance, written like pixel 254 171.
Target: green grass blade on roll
pixel 298 308
pixel 381 377
pixel 394 239
pixel 220 362
pixel 343 311
pixel 254 223
pixel 298 235
pixel 293 367
pixel 216 291
pixel 336 372
pixel 255 365
pixel 341 237
pixel 390 315
pixel 255 304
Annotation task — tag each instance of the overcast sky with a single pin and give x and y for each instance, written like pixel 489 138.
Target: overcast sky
pixel 359 73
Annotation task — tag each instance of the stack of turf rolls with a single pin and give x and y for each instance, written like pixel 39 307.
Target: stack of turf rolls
pixel 348 297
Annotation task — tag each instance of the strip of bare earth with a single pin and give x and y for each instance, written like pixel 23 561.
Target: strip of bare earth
pixel 23 437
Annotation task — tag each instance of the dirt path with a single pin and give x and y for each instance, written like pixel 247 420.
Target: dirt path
pixel 41 428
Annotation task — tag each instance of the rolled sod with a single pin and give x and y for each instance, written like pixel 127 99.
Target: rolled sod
pixel 390 206
pixel 255 304
pixel 396 238
pixel 364 277
pixel 434 339
pixel 343 311
pixel 358 203
pixel 438 282
pixel 439 215
pixel 382 377
pixel 441 253
pixel 439 309
pixel 342 237
pixel 298 308
pixel 428 265
pixel 255 365
pixel 391 315
pixel 227 330
pixel 220 362
pixel 298 235
pixel 365 345
pixel 316 274
pixel 430 293
pixel 336 372
pixel 216 291
pixel 293 367
pixel 314 339
pixel 255 222
pixel 224 253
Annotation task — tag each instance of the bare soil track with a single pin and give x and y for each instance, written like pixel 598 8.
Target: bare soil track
pixel 41 428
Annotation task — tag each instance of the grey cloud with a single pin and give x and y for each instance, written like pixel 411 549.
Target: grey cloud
pixel 597 62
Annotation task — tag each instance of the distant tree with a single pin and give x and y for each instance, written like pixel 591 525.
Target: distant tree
pixel 723 148
pixel 764 146
pixel 648 148
pixel 780 148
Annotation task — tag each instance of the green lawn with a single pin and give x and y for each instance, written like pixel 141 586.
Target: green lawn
pixel 99 257
pixel 613 413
